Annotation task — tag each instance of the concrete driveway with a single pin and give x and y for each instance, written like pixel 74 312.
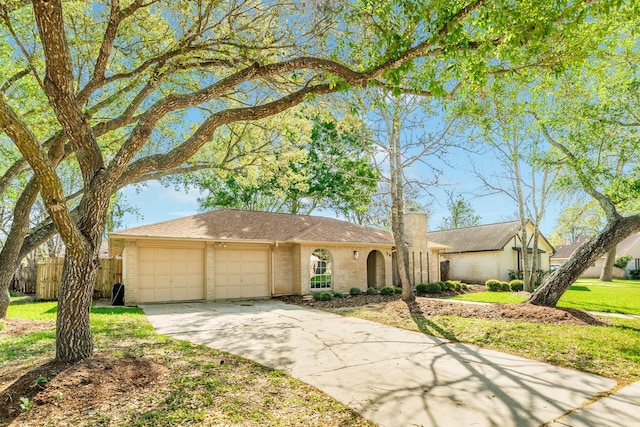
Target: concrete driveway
pixel 397 377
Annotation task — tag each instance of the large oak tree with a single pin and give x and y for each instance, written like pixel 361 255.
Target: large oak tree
pixel 592 123
pixel 137 88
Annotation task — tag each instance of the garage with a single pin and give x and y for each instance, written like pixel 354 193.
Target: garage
pixel 235 254
pixel 170 274
pixel 241 273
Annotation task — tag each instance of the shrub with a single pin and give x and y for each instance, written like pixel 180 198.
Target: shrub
pixel 397 289
pixel 516 285
pixel 355 291
pixel 634 274
pixel 515 274
pixel 433 288
pixel 372 291
pixel 338 295
pixel 493 285
pixel 387 290
pixel 505 286
pixel 622 261
pixel 450 285
pixel 322 296
pixel 421 288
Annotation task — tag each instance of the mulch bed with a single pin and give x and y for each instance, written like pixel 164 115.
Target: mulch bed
pixel 59 389
pixel 437 307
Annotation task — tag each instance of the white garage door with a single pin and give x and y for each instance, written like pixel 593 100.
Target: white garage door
pixel 170 274
pixel 241 273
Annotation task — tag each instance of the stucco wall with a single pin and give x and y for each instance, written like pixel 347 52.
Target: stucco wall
pixel 478 267
pixel 475 267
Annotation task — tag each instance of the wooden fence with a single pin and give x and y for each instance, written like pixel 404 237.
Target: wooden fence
pixel 50 273
pixel 24 279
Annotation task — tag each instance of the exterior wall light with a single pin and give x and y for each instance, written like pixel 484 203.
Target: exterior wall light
pixel 356 255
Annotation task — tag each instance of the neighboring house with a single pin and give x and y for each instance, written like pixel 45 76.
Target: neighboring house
pixel 235 254
pixel 629 246
pixel 490 251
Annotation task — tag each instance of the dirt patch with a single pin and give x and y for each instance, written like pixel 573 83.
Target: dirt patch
pixel 437 307
pixel 62 390
pixel 510 312
pixel 23 326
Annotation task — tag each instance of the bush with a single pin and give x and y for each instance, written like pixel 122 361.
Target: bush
pixel 515 275
pixel 338 295
pixel 622 261
pixel 322 296
pixel 421 288
pixel 387 290
pixel 505 286
pixel 634 274
pixel 516 285
pixel 433 288
pixel 493 285
pixel 372 291
pixel 397 290
pixel 450 285
pixel 355 291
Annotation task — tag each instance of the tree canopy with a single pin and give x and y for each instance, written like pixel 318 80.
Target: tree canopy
pixel 135 90
pixel 461 213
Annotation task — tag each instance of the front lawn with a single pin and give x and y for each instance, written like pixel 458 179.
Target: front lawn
pixel 621 296
pixel 612 350
pixel 140 378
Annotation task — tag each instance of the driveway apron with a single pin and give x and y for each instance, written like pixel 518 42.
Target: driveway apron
pixel 396 377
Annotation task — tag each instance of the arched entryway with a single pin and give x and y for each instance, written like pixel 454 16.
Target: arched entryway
pixel 375 269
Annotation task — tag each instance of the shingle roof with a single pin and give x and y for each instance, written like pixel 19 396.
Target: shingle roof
pixel 565 251
pixel 242 225
pixel 490 237
pixel 630 245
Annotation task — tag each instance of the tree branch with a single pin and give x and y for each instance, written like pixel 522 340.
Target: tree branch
pixel 59 89
pixel 33 152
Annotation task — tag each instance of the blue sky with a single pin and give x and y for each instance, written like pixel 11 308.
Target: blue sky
pixel 157 203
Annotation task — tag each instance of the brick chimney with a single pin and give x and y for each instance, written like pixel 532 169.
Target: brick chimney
pixel 415 228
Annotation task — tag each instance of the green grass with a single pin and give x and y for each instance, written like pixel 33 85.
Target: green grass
pixel 621 296
pixel 612 351
pixel 203 385
pixel 107 324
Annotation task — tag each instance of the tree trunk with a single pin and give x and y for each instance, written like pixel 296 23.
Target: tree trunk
pixel 402 263
pixel 606 275
pixel 73 330
pixel 397 213
pixel 534 260
pixel 559 281
pixel 10 254
pixel 524 257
